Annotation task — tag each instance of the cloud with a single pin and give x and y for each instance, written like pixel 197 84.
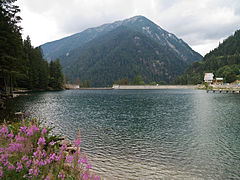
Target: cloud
pixel 200 23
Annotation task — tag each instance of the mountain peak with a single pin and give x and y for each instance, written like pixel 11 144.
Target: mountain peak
pixel 158 44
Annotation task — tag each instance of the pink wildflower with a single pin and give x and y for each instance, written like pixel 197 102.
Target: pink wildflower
pixel 85 160
pixel 44 131
pixel 32 129
pixel 63 147
pixel 57 158
pixel 24 158
pixel 35 173
pixel 35 128
pixel 43 163
pixel 4 159
pixel 4 131
pixel 85 176
pixel 15 147
pixel 19 166
pixel 11 167
pixel 52 157
pixel 69 159
pixel 25 176
pixel 77 142
pixel 28 163
pixel 89 166
pixel 23 129
pixel 44 153
pixel 19 138
pixel 37 153
pixel 36 162
pixel 29 132
pixel 1 150
pixel 47 178
pixel 51 143
pixel 97 178
pixel 10 136
pixel 61 175
pixel 41 141
pixel 30 172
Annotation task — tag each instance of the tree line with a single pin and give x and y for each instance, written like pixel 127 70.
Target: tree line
pixel 21 64
pixel 137 80
pixel 223 61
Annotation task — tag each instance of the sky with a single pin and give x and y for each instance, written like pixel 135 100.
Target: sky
pixel 203 24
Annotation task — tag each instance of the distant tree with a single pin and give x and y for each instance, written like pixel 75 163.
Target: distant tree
pixel 162 83
pixel 86 84
pixel 138 80
pixel 153 83
pixel 56 76
pixel 124 81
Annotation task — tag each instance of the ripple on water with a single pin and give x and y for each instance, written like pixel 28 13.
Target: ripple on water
pixel 148 134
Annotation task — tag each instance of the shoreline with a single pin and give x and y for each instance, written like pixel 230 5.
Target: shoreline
pixel 136 87
pixel 139 87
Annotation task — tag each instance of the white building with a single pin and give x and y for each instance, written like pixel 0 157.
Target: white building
pixel 208 77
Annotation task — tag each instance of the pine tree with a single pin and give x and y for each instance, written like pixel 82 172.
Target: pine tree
pixel 10 44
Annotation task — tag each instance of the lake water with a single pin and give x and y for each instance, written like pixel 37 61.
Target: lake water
pixel 147 134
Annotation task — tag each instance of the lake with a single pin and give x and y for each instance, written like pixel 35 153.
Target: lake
pixel 147 134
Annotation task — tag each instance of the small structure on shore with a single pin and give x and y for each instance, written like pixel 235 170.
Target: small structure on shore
pixel 208 78
pixel 72 86
pixel 219 81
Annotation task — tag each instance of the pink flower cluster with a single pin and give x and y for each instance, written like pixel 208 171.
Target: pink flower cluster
pixel 27 152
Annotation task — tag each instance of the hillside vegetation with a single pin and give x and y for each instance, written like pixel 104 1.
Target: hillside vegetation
pixel 119 50
pixel 223 61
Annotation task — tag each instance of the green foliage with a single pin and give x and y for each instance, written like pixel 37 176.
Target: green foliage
pixel 138 80
pixel 124 81
pixel 21 65
pixel 153 83
pixel 10 44
pixel 55 75
pixel 29 151
pixel 223 61
pixel 162 83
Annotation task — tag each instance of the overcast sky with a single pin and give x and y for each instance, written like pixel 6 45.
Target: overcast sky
pixel 200 23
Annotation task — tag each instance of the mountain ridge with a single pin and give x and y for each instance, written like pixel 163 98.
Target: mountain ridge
pixel 111 57
pixel 76 40
pixel 80 48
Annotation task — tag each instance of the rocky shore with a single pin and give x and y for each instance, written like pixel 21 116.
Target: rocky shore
pixel 3 98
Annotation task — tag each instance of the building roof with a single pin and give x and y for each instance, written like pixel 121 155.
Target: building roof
pixel 208 76
pixel 219 79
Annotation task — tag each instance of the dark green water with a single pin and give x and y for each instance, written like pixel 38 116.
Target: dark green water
pixel 147 134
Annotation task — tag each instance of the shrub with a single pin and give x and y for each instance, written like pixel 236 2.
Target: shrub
pixel 28 151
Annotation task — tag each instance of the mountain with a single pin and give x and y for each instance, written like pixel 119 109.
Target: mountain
pixel 82 48
pixel 121 53
pixel 223 61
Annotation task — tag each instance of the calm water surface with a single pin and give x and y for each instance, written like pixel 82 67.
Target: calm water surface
pixel 147 134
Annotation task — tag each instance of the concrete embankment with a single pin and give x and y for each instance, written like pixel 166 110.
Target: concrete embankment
pixel 155 87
